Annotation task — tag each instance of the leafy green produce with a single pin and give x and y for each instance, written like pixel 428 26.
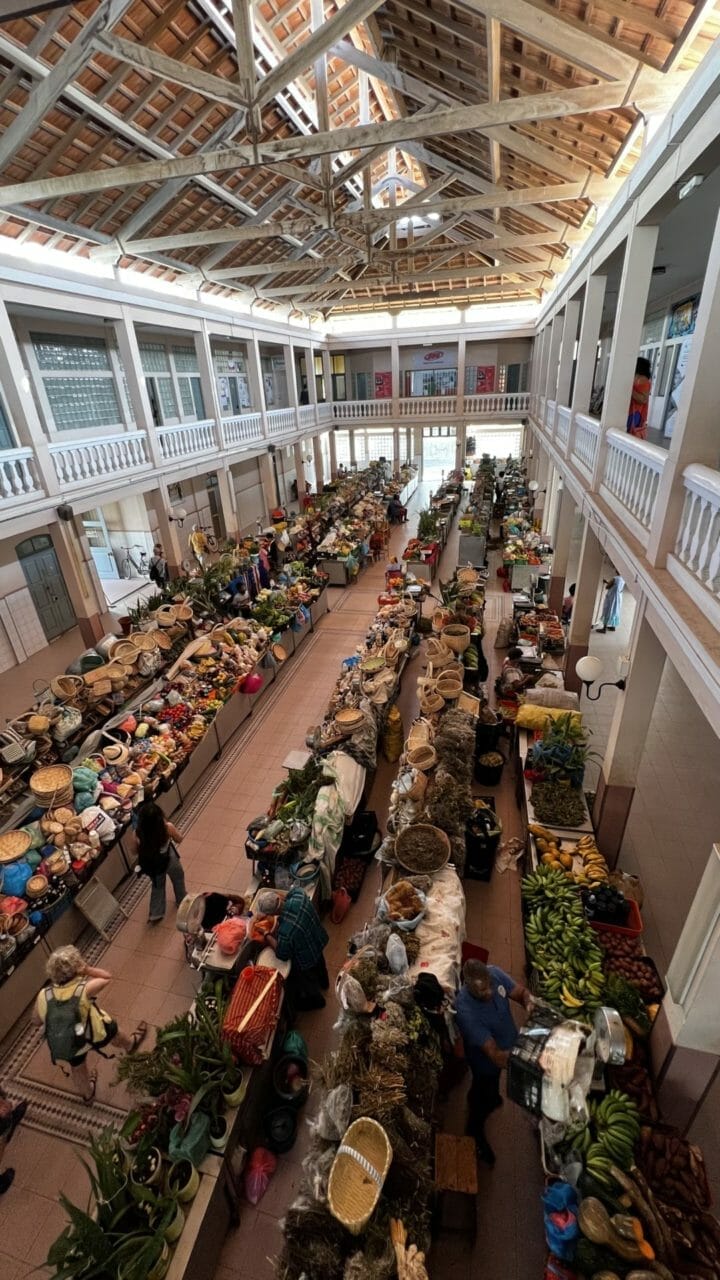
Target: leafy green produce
pixel 558 804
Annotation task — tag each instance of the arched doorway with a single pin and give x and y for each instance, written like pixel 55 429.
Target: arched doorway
pixel 46 584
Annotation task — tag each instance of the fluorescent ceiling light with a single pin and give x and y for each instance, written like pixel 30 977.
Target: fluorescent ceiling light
pixel 688 187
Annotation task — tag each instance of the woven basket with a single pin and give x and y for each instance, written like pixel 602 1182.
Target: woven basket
pixel 117 673
pixel 456 637
pixel 13 844
pixel 67 688
pixel 97 673
pixel 144 641
pixel 403 849
pixel 423 757
pixel 123 651
pixel 183 613
pixel 419 787
pixel 431 703
pixel 100 689
pixel 358 1173
pixel 166 615
pixel 421 734
pixel 52 786
pixel 449 685
pixel 439 654
pixel 163 641
pixel 467 576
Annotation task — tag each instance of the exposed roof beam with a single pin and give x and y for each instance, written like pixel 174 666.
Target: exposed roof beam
pixel 544 106
pixel 595 188
pixel 244 46
pixel 398 282
pixel 642 19
pixel 159 64
pixel 549 31
pixel 389 74
pixel 532 149
pixel 605 38
pixel 343 20
pixel 362 306
pixel 46 94
pixel 692 28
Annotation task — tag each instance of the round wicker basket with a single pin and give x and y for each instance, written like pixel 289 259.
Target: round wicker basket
pixel 13 844
pixel 52 786
pixel 67 688
pixel 456 637
pixel 438 849
pixel 124 651
pixel 431 703
pixel 423 757
pixel 439 654
pixel 144 641
pixel 358 1173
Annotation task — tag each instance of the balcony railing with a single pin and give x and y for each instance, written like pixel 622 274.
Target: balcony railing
pixel 325 413
pixel 499 404
pixel 428 406
pixel 587 434
pixel 281 422
pixel 562 430
pixel 698 543
pixel 84 462
pixel 18 475
pixel 631 479
pixel 358 410
pixel 550 415
pixel 306 415
pixel 242 430
pixel 187 440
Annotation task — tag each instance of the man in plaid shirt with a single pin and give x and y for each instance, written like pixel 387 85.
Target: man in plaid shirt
pixel 301 939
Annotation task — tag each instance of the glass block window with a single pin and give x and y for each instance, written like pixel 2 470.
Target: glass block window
pixel 186 397
pixel 83 403
pixel 379 445
pixel 6 437
pixel 361 453
pixel 166 393
pixel 228 360
pixel 154 357
pixel 59 352
pixel 342 448
pixel 185 359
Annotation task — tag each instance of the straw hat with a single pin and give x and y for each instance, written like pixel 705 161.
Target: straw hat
pixel 116 753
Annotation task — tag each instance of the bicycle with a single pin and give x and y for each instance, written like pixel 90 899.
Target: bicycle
pixel 212 542
pixel 129 567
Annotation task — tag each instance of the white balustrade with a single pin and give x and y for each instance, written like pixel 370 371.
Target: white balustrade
pixel 498 404
pixel 325 412
pixel 79 462
pixel 281 422
pixel 632 475
pixel 428 407
pixel 355 410
pixel 562 430
pixel 540 410
pixel 550 406
pixel 698 542
pixel 587 434
pixel 244 429
pixel 306 414
pixel 18 475
pixel 187 439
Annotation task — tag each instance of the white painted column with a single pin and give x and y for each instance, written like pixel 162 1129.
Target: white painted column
pixel 587 350
pixel 299 470
pixel 539 361
pixel 327 376
pixel 311 381
pixel 627 334
pixel 567 354
pixel 460 408
pixel 551 501
pixel 586 593
pixel 395 377
pixel 290 378
pixel 351 439
pixel 695 436
pixel 558 325
pixel 208 380
pixel 157 505
pixel 333 454
pixel 255 380
pixel 628 736
pixel 318 459
pixel 561 548
pixel 396 448
pixel 21 405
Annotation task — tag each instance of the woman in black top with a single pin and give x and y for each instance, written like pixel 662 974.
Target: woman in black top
pixel 156 840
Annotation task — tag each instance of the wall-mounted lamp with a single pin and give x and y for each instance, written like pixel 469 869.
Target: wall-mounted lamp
pixel 533 486
pixel 177 517
pixel 589 670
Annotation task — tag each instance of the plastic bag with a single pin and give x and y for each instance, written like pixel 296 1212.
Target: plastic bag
pixel 230 935
pixel 192 1142
pixel 294 1045
pixel 561 1224
pixel 509 854
pixel 396 954
pixel 261 1167
pixel 335 1112
pixel 342 903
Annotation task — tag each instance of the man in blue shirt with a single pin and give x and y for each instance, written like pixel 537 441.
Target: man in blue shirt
pixel 485 1022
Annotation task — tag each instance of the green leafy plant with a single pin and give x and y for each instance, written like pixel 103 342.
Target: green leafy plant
pixel 427 525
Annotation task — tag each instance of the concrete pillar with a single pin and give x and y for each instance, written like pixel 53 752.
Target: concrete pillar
pixel 327 375
pixel 628 734
pixel 395 377
pixel 695 437
pixel 255 380
pixel 588 580
pixel 157 504
pixel 567 352
pixel 460 408
pixel 542 473
pixel 81 579
pixel 396 449
pixel 587 350
pixel 351 439
pixel 333 454
pixel 290 377
pixel 538 365
pixel 268 481
pixel 417 443
pixel 299 470
pixel 21 405
pixel 551 501
pixel 561 548
pixel 553 366
pixel 627 333
pixel 228 506
pixel 460 437
pixel 408 445
pixel 318 459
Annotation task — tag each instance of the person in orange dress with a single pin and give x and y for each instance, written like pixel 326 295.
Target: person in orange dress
pixel 640 399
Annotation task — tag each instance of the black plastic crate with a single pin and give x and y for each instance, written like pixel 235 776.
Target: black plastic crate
pixel 362 837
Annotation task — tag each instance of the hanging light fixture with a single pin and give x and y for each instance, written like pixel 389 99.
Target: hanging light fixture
pixel 588 670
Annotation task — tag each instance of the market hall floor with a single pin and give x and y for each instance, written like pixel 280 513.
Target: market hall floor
pixel 152 981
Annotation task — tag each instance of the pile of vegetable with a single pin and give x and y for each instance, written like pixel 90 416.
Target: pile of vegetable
pixel 294 798
pixel 673 1167
pixel 562 947
pixel 609 1138
pixel 623 996
pixel 558 804
pixel 624 956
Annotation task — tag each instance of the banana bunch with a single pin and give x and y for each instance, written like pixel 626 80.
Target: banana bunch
pixel 616 1128
pixel 595 869
pixel 562 947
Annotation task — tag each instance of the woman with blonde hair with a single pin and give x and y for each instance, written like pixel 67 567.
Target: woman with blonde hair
pixel 73 1022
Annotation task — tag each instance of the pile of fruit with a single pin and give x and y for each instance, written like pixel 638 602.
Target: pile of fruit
pixel 595 870
pixel 562 946
pixel 624 956
pixel 609 1138
pixel 550 849
pixel 673 1167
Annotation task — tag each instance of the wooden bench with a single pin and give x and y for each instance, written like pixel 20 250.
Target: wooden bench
pixel 456 1184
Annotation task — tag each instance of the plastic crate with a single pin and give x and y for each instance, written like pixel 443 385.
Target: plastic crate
pixel 631 929
pixel 361 838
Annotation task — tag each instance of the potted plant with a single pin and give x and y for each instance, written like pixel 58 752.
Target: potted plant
pixel 83 1249
pixel 183 1181
pixel 219 1133
pixel 146 1166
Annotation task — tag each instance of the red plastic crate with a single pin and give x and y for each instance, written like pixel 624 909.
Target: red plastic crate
pixel 471 951
pixel 632 929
